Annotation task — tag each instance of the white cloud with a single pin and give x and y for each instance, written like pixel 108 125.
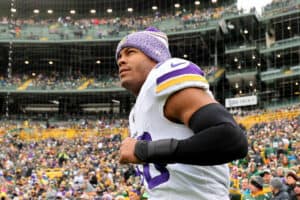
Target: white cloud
pixel 248 4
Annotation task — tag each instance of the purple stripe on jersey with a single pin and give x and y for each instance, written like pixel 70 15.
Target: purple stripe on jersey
pixel 156 180
pixel 190 69
pixel 164 173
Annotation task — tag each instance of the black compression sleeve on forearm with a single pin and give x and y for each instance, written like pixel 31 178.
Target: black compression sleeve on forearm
pixel 216 145
pixel 218 139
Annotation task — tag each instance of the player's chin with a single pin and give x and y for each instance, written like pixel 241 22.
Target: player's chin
pixel 125 83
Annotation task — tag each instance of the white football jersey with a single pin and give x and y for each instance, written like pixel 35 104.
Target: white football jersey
pixel 147 122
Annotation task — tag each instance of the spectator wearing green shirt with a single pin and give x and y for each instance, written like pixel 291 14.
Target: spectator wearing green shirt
pixel 256 190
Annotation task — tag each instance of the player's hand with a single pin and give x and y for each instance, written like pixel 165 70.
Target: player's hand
pixel 127 151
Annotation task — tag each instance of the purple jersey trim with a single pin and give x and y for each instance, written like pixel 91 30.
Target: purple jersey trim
pixel 190 69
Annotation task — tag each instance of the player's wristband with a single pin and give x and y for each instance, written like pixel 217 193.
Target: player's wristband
pixel 156 151
pixel 141 150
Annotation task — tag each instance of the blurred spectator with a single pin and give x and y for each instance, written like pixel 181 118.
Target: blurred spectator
pixel 278 190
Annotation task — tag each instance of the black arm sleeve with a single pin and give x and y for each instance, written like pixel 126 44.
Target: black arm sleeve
pixel 217 140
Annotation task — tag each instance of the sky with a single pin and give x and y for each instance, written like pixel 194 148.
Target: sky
pixel 247 4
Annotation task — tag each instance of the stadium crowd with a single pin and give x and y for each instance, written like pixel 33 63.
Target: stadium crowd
pixel 85 166
pixel 272 166
pixel 280 6
pixel 56 80
pixel 70 27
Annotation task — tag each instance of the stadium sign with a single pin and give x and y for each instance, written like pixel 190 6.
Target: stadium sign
pixel 241 101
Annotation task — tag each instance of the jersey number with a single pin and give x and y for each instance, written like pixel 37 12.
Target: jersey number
pixel 164 173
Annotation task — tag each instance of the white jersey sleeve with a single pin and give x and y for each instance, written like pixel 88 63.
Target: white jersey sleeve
pixel 176 74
